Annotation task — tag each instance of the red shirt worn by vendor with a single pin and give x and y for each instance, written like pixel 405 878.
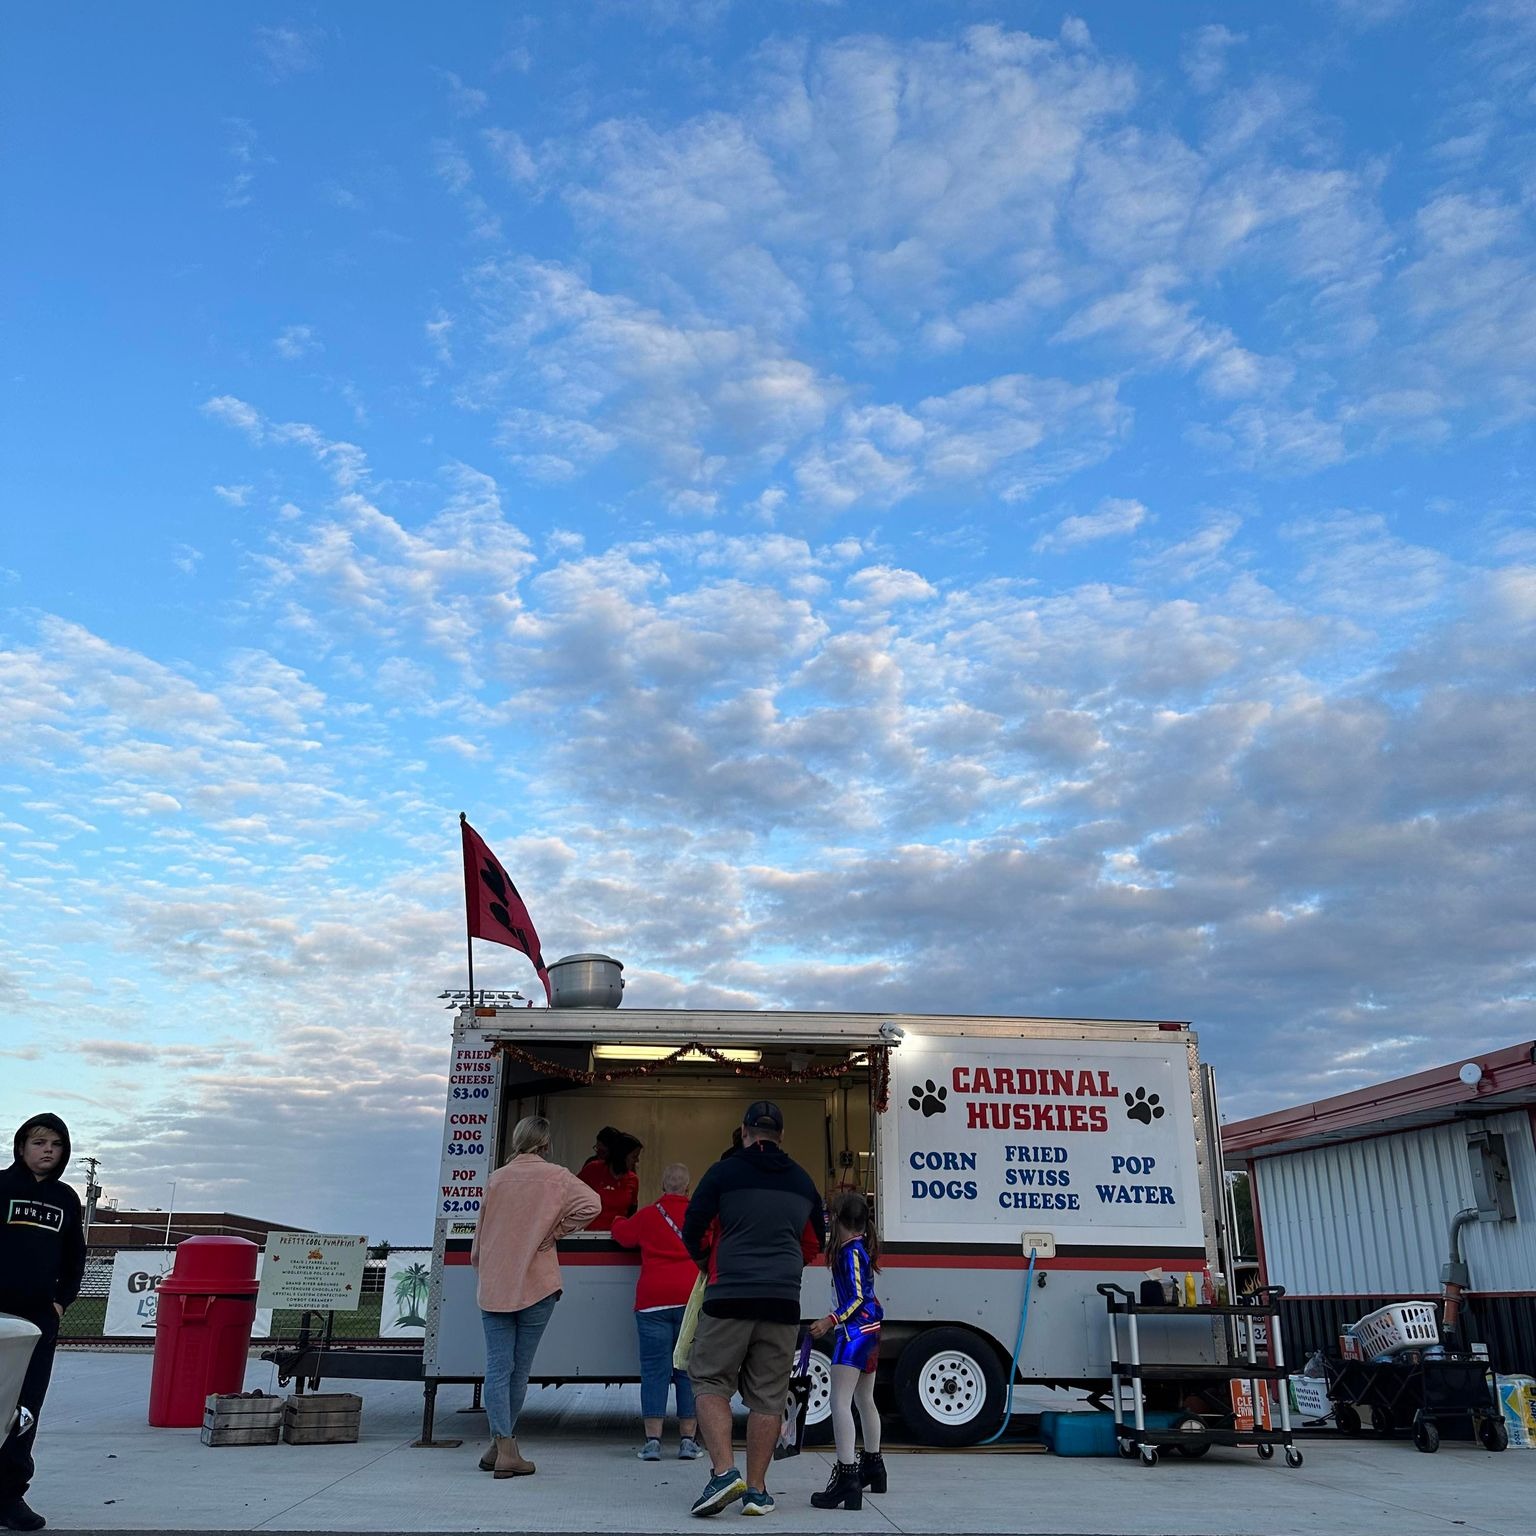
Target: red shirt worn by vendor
pixel 618 1191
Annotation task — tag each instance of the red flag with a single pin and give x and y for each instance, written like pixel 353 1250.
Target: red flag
pixel 492 907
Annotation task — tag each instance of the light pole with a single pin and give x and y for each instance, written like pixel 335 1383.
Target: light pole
pixel 170 1213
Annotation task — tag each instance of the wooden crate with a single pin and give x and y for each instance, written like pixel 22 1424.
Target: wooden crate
pixel 322 1418
pixel 241 1418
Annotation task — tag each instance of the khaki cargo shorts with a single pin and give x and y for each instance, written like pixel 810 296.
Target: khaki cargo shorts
pixel 732 1352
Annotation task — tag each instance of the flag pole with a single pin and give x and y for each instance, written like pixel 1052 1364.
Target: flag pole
pixel 469 938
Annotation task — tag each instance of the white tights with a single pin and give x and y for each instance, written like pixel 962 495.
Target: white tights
pixel 853 1388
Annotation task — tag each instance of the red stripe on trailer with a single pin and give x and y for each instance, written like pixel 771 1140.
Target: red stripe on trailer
pixel 1136 1265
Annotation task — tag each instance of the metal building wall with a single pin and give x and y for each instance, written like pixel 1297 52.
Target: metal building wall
pixel 1372 1218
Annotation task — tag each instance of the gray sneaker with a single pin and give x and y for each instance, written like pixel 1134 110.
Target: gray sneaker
pixel 757 1501
pixel 722 1489
pixel 688 1449
pixel 650 1451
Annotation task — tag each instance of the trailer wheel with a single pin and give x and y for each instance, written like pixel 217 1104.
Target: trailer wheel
pixel 818 1406
pixel 1426 1436
pixel 1347 1417
pixel 949 1387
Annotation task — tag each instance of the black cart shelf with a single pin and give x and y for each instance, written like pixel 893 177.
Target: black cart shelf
pixel 1194 1434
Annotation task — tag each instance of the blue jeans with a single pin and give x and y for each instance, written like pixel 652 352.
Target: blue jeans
pixel 511 1340
pixel 658 1338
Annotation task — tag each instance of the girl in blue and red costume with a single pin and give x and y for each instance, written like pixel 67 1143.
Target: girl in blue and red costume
pixel 853 1257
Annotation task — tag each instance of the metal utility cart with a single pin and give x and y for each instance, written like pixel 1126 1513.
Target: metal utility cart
pixel 1193 1434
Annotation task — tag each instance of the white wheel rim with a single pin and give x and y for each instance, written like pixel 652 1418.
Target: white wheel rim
pixel 952 1388
pixel 818 1405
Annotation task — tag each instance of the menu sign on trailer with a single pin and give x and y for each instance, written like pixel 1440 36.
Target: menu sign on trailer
pixel 312 1272
pixel 1083 1138
pixel 466 1160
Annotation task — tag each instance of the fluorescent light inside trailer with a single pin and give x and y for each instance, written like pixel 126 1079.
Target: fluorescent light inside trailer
pixel 658 1052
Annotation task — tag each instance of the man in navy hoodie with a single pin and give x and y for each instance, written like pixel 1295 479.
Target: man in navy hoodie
pixel 42 1259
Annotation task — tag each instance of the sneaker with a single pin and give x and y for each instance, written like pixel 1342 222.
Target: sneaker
pixel 650 1451
pixel 757 1501
pixel 722 1489
pixel 688 1449
pixel 17 1515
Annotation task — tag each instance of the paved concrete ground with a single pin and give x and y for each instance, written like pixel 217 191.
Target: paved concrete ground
pixel 101 1468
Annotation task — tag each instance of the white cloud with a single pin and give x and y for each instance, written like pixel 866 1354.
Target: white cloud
pixel 1205 54
pixel 288 50
pixel 463 100
pixel 233 495
pixel 296 341
pixel 1113 518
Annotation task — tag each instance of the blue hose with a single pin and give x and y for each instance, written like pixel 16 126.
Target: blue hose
pixel 1018 1349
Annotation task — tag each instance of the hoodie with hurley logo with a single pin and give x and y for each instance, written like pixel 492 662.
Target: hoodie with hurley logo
pixel 42 1245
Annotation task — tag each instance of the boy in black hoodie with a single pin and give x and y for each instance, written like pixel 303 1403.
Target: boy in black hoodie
pixel 42 1259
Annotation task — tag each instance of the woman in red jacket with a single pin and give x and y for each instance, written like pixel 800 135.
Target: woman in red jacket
pixel 666 1280
pixel 613 1177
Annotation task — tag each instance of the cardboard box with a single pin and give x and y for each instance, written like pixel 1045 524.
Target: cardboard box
pixel 1243 1406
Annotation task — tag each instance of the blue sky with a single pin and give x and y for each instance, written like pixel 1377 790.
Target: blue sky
pixel 987 509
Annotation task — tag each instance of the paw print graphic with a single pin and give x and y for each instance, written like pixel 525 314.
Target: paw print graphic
pixel 1144 1106
pixel 929 1098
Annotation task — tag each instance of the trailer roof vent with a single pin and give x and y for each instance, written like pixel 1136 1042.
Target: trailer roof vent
pixel 586 981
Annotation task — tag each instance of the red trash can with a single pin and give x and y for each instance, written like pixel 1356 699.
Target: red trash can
pixel 203 1317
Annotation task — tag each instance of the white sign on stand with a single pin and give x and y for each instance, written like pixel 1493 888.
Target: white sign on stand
pixel 133 1296
pixel 466 1161
pixel 313 1272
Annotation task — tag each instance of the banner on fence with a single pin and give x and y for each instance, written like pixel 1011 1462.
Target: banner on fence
pixel 407 1282
pixel 133 1294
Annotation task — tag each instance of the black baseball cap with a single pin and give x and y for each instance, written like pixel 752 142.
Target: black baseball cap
pixel 763 1116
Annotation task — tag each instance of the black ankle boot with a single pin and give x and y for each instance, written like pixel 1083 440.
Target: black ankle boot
pixel 17 1515
pixel 842 1488
pixel 872 1471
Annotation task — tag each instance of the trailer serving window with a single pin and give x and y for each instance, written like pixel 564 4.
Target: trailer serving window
pixel 684 1111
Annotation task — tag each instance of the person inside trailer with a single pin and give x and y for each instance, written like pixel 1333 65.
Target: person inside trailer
pixel 614 1178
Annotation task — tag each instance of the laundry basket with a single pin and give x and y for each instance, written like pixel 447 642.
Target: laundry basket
pixel 1402 1325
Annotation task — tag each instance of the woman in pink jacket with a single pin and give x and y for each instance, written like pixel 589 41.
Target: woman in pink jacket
pixel 529 1203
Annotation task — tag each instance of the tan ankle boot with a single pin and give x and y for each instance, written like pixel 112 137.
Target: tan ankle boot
pixel 509 1460
pixel 488 1461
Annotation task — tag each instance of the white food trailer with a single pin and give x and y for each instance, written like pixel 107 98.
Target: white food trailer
pixel 979 1141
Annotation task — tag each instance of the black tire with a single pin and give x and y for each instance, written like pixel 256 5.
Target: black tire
pixel 1494 1433
pixel 818 1431
pixel 1383 1422
pixel 949 1387
pixel 1426 1436
pixel 1266 1452
pixel 1347 1417
pixel 1193 1426
pixel 1125 1448
pixel 1149 1455
pixel 1293 1457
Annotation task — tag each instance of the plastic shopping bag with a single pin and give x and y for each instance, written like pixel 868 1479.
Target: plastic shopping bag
pixel 690 1326
pixel 792 1427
